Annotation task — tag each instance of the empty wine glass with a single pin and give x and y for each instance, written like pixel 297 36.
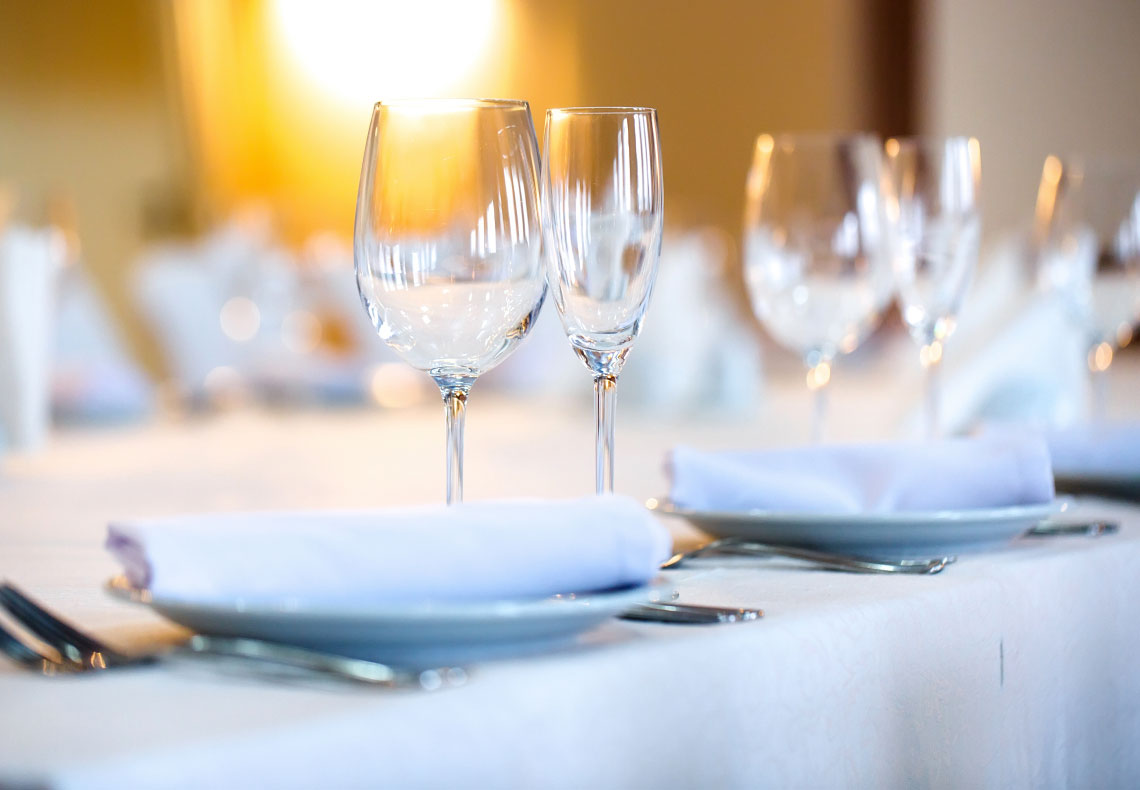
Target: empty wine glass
pixel 602 213
pixel 817 253
pixel 447 241
pixel 1088 232
pixel 934 209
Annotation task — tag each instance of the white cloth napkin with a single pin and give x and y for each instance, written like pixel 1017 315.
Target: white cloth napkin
pixel 905 477
pixel 1104 449
pixel 471 552
pixel 30 260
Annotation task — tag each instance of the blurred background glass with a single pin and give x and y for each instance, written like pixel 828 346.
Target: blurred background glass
pixel 200 158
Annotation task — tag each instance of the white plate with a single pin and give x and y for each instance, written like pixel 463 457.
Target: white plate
pixel 886 535
pixel 412 635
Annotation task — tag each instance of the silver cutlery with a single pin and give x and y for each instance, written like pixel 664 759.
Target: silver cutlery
pixel 820 559
pixel 80 652
pixel 689 614
pixel 1089 528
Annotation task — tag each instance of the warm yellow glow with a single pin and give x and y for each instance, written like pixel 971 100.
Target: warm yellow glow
pixel 394 385
pixel 931 354
pixel 818 376
pixel 301 332
pixel 892 146
pixel 975 159
pixel 362 51
pixel 1047 190
pixel 1100 357
pixel 1123 335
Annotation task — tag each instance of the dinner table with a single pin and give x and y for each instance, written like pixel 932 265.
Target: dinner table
pixel 1014 667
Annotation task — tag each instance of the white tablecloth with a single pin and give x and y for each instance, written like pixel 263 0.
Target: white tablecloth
pixel 1011 669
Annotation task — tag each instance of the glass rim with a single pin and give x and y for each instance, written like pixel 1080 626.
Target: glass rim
pixel 602 110
pixel 453 102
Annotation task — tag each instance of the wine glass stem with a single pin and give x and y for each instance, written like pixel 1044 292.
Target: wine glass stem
pixel 605 389
pixel 818 413
pixel 1100 394
pixel 455 410
pixel 933 398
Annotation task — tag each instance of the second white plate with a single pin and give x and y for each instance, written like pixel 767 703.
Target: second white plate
pixel 885 535
pixel 409 635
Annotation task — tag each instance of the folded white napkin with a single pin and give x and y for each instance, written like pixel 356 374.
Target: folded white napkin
pixel 1102 449
pixel 905 477
pixel 471 552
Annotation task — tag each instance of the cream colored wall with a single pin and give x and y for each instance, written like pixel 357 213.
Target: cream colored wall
pixel 84 118
pixel 1030 78
pixel 120 102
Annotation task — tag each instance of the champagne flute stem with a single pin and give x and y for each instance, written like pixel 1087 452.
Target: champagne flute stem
pixel 933 398
pixel 818 377
pixel 605 389
pixel 455 410
pixel 1100 394
pixel 818 414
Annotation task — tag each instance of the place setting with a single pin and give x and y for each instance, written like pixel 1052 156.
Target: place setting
pixel 459 241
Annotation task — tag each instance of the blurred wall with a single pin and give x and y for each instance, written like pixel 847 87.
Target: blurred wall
pixel 1029 78
pixel 86 130
pixel 160 116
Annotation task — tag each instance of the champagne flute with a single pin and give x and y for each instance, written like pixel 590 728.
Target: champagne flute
pixel 817 254
pixel 1088 235
pixel 447 241
pixel 934 212
pixel 602 213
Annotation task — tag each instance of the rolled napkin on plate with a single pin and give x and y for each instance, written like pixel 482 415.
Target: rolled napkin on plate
pixel 910 477
pixel 471 552
pixel 1096 450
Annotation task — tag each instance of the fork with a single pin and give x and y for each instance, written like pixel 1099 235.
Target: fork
pixel 838 562
pixel 80 652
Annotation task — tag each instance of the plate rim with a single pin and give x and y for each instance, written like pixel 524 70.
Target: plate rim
pixel 120 588
pixel 1041 510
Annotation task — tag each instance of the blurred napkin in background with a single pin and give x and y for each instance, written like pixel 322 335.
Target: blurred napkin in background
pixel 1108 450
pixel 30 261
pixel 953 474
pixel 697 350
pixel 471 552
pixel 94 379
pixel 236 312
pixel 1019 355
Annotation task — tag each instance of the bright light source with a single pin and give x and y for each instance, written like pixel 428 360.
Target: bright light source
pixel 362 52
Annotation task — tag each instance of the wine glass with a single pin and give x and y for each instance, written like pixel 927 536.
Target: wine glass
pixel 934 213
pixel 817 254
pixel 447 242
pixel 602 213
pixel 1088 234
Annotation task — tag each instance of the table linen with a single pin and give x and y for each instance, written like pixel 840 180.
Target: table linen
pixel 1013 668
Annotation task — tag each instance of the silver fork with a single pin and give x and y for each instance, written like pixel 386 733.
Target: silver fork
pixel 80 652
pixel 821 559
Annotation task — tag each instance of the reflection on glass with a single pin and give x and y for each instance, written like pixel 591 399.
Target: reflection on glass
pixel 602 215
pixel 817 255
pixel 1088 235
pixel 447 242
pixel 934 209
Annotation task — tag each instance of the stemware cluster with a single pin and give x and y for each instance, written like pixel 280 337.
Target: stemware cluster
pixel 450 229
pixel 461 227
pixel 1088 235
pixel 835 225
